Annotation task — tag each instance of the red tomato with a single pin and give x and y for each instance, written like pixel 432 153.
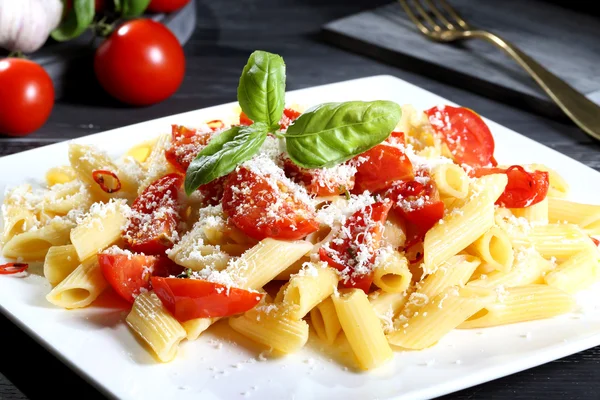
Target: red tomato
pixel 465 133
pixel 127 274
pixel 194 298
pixel 418 203
pixel 141 63
pixel 382 165
pixel 261 208
pixel 26 96
pixel 317 181
pixel 166 6
pixel 365 227
pixel 289 116
pixel 523 189
pixel 99 5
pixel 154 216
pixel 185 145
pixel 212 192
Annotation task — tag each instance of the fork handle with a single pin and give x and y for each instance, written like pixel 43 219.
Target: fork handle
pixel 579 108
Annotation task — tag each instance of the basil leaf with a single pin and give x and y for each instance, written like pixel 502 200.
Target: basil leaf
pixel 79 17
pixel 223 153
pixel 261 91
pixel 332 133
pixel 131 8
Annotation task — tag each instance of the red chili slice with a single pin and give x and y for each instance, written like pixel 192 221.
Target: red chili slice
pixel 13 268
pixel 107 180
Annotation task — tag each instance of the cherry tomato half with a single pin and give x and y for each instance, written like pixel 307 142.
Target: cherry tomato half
pixel 195 298
pixel 523 189
pixel 26 96
pixel 465 133
pixel 141 63
pixel 166 6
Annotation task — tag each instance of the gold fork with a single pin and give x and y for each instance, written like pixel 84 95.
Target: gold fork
pixel 443 24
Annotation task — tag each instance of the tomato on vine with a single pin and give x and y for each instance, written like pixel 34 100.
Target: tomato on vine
pixel 26 96
pixel 141 63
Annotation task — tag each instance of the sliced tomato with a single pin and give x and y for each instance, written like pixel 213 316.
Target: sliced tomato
pixel 185 145
pixel 418 203
pixel 195 298
pixel 523 189
pixel 354 250
pixel 127 274
pixel 264 206
pixel 289 116
pixel 165 267
pixel 154 217
pixel 212 192
pixel 382 165
pixel 467 136
pixel 318 182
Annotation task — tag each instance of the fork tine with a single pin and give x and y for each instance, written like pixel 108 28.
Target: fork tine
pixel 414 19
pixel 439 15
pixel 426 16
pixel 452 12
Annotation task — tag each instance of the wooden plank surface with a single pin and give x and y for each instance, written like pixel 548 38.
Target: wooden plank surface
pixel 564 41
pixel 227 31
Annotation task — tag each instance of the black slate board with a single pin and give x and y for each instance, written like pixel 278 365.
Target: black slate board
pixel 564 41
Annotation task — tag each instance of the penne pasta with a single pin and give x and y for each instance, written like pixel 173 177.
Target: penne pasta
pixel 313 284
pixel 521 303
pixel 81 287
pixel 576 273
pixel 587 216
pixel 387 305
pixel 34 244
pixel 537 213
pixel 150 320
pixel 325 321
pixel 362 328
pixel 60 175
pixel 59 263
pixel 451 180
pixel 494 249
pixel 391 272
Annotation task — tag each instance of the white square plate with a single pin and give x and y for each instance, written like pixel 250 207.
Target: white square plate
pixel 222 365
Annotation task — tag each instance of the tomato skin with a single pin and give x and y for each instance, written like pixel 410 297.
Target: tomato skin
pixel 310 179
pixel 255 207
pixel 15 268
pixel 166 6
pixel 185 145
pixel 465 133
pixel 26 96
pixel 195 298
pixel 141 63
pixel 127 275
pixel 154 218
pixel 418 204
pixel 380 167
pixel 523 189
pixel 345 251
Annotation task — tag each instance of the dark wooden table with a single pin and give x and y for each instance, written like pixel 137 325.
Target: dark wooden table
pixel 228 30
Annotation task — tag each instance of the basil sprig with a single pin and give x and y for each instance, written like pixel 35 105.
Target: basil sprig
pixel 131 8
pixel 223 153
pixel 332 133
pixel 323 136
pixel 261 91
pixel 79 17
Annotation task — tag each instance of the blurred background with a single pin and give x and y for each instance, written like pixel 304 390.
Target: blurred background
pixel 92 66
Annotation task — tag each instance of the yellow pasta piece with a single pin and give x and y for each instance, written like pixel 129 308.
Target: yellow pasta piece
pixel 156 164
pixel 34 244
pixel 587 216
pixel 535 213
pixel 529 267
pixel 59 263
pixel 60 175
pixel 451 181
pixel 309 287
pixel 150 320
pixel 521 303
pixel 362 328
pixel 269 326
pixel 578 272
pixel 325 321
pixel 195 327
pixel 465 224
pixel 393 232
pixel 387 305
pixel 391 272
pixel 100 228
pixel 494 249
pixel 81 287
pixel 553 240
pixel 62 198
pixel 444 313
pixel 141 151
pixel 16 220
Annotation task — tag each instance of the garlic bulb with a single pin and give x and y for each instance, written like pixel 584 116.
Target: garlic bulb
pixel 26 24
